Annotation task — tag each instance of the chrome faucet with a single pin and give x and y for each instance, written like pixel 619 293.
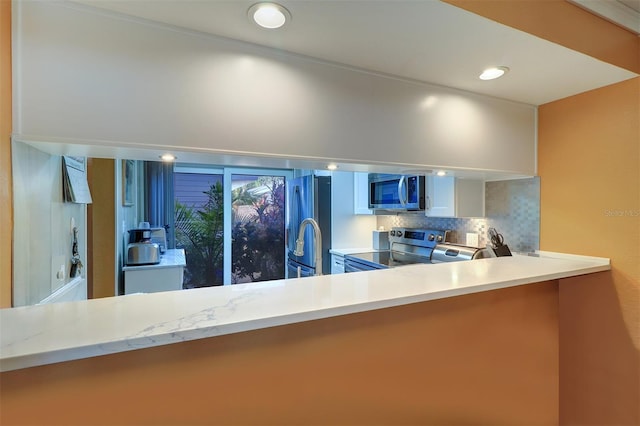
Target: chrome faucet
pixel 299 251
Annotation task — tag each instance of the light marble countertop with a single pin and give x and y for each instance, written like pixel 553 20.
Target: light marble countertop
pixel 171 258
pixel 46 334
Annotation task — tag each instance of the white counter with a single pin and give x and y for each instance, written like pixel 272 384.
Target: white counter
pixel 38 335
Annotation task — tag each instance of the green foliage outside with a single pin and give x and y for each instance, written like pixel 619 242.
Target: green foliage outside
pixel 200 233
pixel 258 234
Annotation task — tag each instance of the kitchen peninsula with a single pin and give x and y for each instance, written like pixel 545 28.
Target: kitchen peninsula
pixel 63 332
pixel 441 338
pixel 486 358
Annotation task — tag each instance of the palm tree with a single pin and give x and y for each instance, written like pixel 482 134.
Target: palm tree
pixel 200 233
pixel 257 252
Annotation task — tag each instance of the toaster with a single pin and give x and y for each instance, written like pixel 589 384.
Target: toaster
pixel 154 235
pixel 143 253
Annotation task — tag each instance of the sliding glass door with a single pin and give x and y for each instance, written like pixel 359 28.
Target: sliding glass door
pixel 199 224
pixel 257 227
pixel 231 223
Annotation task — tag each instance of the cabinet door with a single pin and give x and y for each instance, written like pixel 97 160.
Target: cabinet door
pixel 454 197
pixel 469 198
pixel 441 197
pixel 361 193
pixel 152 280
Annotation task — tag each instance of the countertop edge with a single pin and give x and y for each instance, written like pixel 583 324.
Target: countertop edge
pixel 591 265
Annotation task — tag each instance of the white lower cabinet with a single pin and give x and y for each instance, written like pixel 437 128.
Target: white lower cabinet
pixel 168 275
pixel 153 280
pixel 447 196
pixel 337 264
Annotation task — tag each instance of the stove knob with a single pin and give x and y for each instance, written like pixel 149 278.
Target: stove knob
pixel 399 233
pixel 439 238
pixel 432 237
pixel 392 233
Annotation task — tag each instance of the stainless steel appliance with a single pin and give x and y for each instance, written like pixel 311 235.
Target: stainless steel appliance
pixel 155 235
pixel 159 236
pixel 308 197
pixel 147 253
pixel 141 250
pixel 407 246
pixel 396 192
pixel 454 253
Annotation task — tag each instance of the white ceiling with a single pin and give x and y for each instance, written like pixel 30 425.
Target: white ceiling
pixel 633 4
pixel 424 40
pixel 625 13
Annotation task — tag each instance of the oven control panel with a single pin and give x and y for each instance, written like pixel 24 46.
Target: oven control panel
pixel 417 237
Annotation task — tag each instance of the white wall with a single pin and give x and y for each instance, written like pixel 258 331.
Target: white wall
pixel 42 226
pixel 348 230
pixel 96 78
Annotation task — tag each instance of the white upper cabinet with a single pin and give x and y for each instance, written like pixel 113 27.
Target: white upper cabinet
pixel 447 196
pixel 440 196
pixel 470 198
pixel 195 93
pixel 361 193
pixel 347 229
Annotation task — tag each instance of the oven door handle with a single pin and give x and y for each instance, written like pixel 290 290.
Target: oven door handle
pixel 356 267
pixel 401 188
pixel 352 268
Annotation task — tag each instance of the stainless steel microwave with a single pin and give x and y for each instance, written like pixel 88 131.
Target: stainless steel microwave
pixel 396 192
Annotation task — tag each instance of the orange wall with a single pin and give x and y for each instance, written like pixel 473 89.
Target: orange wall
pixel 101 219
pixel 563 23
pixel 6 197
pixel 489 358
pixel 470 353
pixel 589 165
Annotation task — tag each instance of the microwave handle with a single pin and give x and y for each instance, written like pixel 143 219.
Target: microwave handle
pixel 401 187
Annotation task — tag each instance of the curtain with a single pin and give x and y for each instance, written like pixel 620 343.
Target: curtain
pixel 160 200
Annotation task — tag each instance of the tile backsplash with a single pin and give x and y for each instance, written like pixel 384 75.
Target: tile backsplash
pixel 458 226
pixel 511 206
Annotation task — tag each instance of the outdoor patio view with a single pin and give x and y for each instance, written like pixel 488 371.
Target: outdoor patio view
pixel 257 227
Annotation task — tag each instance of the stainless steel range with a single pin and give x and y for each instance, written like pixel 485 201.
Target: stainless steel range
pixel 407 246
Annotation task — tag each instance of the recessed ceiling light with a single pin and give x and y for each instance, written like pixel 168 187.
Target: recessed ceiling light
pixel 168 157
pixel 332 166
pixel 492 73
pixel 269 15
